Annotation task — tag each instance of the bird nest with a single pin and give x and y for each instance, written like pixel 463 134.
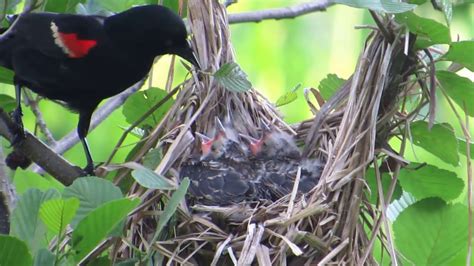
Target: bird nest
pixel 334 222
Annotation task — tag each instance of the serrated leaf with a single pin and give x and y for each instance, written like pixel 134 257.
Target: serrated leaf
pixel 25 221
pixel 386 180
pixel 149 179
pixel 98 224
pixel 462 53
pixel 140 102
pixel 92 192
pixel 387 6
pixel 329 85
pixel 428 31
pixel 440 140
pixel 13 251
pixel 56 214
pixel 460 89
pixel 430 232
pixel 172 205
pixel 430 181
pixel 7 103
pixel 233 78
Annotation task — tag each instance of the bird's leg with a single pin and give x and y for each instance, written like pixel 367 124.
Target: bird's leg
pixel 19 133
pixel 82 130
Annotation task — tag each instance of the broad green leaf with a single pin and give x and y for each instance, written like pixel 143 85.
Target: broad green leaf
pixel 462 53
pixel 174 5
pixel 140 102
pixel 430 181
pixel 431 232
pixel 13 251
pixel 118 6
pixel 286 98
pixel 428 31
pixel 386 180
pixel 447 9
pixel 6 75
pixel 98 224
pixel 62 6
pixel 7 103
pixel 440 140
pixel 149 179
pixel 387 6
pixel 329 85
pixel 233 78
pixel 460 89
pixel 44 257
pixel 92 192
pixel 172 205
pixel 25 221
pixel 26 179
pixel 56 214
pixel 417 2
pixel 152 158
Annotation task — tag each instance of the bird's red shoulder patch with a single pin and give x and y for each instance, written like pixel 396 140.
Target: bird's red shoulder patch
pixel 70 44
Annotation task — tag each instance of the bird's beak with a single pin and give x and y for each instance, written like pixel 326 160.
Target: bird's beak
pixel 187 54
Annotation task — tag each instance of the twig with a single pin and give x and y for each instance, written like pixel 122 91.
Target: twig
pixel 467 135
pixel 432 111
pixel 280 13
pixel 39 119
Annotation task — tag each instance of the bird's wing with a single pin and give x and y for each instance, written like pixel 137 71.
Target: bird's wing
pixel 60 36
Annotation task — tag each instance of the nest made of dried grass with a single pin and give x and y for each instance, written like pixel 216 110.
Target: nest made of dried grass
pixel 333 223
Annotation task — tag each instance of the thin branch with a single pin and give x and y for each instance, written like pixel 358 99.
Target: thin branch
pixel 39 119
pixel 280 13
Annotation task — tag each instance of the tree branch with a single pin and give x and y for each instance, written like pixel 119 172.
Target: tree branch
pixel 280 13
pixel 35 150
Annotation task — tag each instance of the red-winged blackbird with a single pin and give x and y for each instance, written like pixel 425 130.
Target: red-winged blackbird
pixel 81 60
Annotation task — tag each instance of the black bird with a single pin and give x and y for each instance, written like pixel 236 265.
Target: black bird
pixel 81 60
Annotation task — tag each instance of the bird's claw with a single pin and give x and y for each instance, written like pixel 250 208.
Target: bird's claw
pixel 88 170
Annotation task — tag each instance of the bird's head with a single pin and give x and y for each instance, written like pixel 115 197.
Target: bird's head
pixel 153 29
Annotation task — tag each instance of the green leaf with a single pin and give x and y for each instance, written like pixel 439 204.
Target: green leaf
pixel 26 179
pixel 172 205
pixel 98 224
pixel 92 192
pixel 430 232
pixel 286 98
pixel 387 6
pixel 25 221
pixel 13 251
pixel 428 31
pixel 6 76
pixel 7 6
pixel 440 140
pixel 62 6
pixel 44 257
pixel 430 181
pixel 329 85
pixel 56 214
pixel 462 53
pixel 118 6
pixel 7 103
pixel 417 2
pixel 140 102
pixel 149 179
pixel 460 89
pixel 447 9
pixel 386 180
pixel 232 77
pixel 153 158
pixel 174 5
